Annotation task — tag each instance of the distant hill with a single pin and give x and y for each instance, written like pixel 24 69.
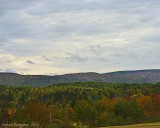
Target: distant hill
pixel 138 76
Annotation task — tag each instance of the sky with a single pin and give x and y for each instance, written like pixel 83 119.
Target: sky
pixel 54 37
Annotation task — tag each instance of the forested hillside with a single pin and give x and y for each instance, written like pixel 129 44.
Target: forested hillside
pixel 141 76
pixel 87 104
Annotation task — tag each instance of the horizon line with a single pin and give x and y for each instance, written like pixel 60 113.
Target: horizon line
pixel 78 72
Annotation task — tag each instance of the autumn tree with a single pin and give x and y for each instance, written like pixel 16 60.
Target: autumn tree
pixel 156 102
pixel 37 111
pixel 146 103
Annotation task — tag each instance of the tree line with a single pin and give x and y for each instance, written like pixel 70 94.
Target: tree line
pixel 87 104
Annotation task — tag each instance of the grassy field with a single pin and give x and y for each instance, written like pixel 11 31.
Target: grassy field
pixel 147 125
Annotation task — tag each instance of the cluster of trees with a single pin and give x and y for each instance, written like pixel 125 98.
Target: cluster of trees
pixel 88 104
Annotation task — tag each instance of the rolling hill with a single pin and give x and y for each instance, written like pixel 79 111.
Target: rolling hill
pixel 137 76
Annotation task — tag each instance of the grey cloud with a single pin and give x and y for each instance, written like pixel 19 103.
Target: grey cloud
pixel 117 63
pixel 117 55
pixel 95 49
pixel 127 56
pixel 9 61
pixel 46 58
pixel 64 26
pixel 2 40
pixel 149 52
pixel 152 38
pixel 102 59
pixel 67 6
pixel 15 5
pixel 21 48
pixel 76 58
pixel 133 55
pixel 30 62
pixel 10 70
pixel 1 69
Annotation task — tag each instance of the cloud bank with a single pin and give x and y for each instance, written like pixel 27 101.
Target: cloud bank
pixel 57 37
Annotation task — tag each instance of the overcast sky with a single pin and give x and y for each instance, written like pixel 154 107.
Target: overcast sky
pixel 67 36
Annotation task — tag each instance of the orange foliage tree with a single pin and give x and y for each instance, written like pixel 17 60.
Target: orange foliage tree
pixel 37 111
pixel 156 102
pixel 146 103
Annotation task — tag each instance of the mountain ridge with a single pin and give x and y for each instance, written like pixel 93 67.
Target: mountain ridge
pixel 130 76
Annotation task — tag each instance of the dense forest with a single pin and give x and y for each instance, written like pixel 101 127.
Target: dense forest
pixel 79 105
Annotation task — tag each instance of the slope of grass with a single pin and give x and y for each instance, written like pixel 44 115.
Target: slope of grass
pixel 147 125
